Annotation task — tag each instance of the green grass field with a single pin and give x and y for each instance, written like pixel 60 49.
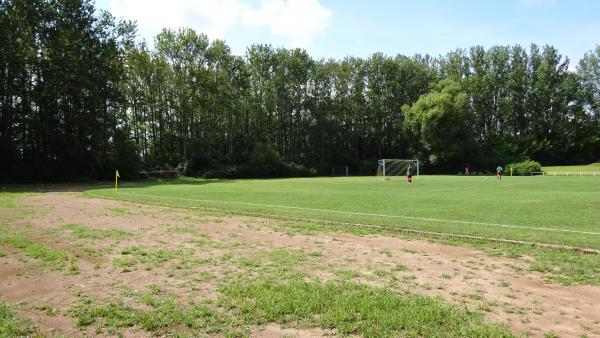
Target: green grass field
pixel 189 271
pixel 594 167
pixel 555 210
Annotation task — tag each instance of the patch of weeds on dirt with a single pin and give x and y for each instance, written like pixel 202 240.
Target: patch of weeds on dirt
pixel 426 286
pixel 511 296
pixel 159 316
pixel 7 200
pixel 177 229
pixel 485 306
pixel 201 242
pixel 54 258
pixel 386 252
pixel 91 252
pixel 14 241
pixel 304 228
pixel 352 309
pixel 567 267
pixel 562 266
pixel 48 310
pixel 286 257
pixel 111 248
pixel 310 228
pixel 81 231
pixel 400 267
pixel 226 257
pixel 202 276
pixel 128 250
pixel 206 241
pixel 13 326
pixel 346 274
pixel 73 269
pixel 121 211
pixel 166 312
pixel 510 308
pixel 280 263
pixel 126 263
pixel 515 267
pixel 115 314
pixel 248 262
pixel 475 296
pixel 381 273
pixel 503 284
pixel 408 278
pixel 538 310
pixel 156 257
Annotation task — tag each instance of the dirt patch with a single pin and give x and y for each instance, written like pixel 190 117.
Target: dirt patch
pixel 276 331
pixel 186 254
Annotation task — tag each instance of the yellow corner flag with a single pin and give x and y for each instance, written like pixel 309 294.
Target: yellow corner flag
pixel 117 180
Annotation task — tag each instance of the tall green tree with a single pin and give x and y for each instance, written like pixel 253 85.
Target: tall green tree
pixel 439 125
pixel 79 97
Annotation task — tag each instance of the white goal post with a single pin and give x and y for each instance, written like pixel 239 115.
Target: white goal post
pixel 397 167
pixel 340 170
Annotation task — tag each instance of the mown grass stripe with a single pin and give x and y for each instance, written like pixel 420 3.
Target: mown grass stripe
pixel 368 214
pixel 374 226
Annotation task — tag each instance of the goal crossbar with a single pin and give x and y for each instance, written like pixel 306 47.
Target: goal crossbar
pixel 340 170
pixel 397 167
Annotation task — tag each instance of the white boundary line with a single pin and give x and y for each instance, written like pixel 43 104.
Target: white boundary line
pixel 367 214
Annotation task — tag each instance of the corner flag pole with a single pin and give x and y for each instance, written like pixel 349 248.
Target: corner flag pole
pixel 117 181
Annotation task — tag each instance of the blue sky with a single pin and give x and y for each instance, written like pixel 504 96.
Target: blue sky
pixel 336 28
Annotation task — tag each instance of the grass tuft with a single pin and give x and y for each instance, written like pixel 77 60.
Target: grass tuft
pixel 7 200
pixel 353 309
pixel 54 258
pixel 13 326
pixel 81 231
pixel 160 316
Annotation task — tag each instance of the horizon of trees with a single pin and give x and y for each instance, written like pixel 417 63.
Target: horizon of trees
pixel 80 97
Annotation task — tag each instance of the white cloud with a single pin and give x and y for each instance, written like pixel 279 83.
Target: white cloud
pixel 212 17
pixel 300 21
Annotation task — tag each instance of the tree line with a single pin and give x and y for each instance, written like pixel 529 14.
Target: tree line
pixel 80 97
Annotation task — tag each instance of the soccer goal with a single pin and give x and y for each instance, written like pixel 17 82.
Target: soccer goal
pixel 397 167
pixel 340 170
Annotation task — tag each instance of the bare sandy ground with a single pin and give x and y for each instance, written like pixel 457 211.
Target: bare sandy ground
pixel 502 288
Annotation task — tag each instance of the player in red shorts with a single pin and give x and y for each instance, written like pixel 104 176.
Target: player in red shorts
pixel 499 171
pixel 409 175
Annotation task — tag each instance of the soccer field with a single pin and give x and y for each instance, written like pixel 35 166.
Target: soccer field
pixel 595 167
pixel 556 210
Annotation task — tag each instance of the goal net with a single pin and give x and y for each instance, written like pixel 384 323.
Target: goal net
pixel 397 167
pixel 340 170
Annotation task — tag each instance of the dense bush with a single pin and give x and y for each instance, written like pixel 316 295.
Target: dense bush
pixel 524 167
pixel 265 162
